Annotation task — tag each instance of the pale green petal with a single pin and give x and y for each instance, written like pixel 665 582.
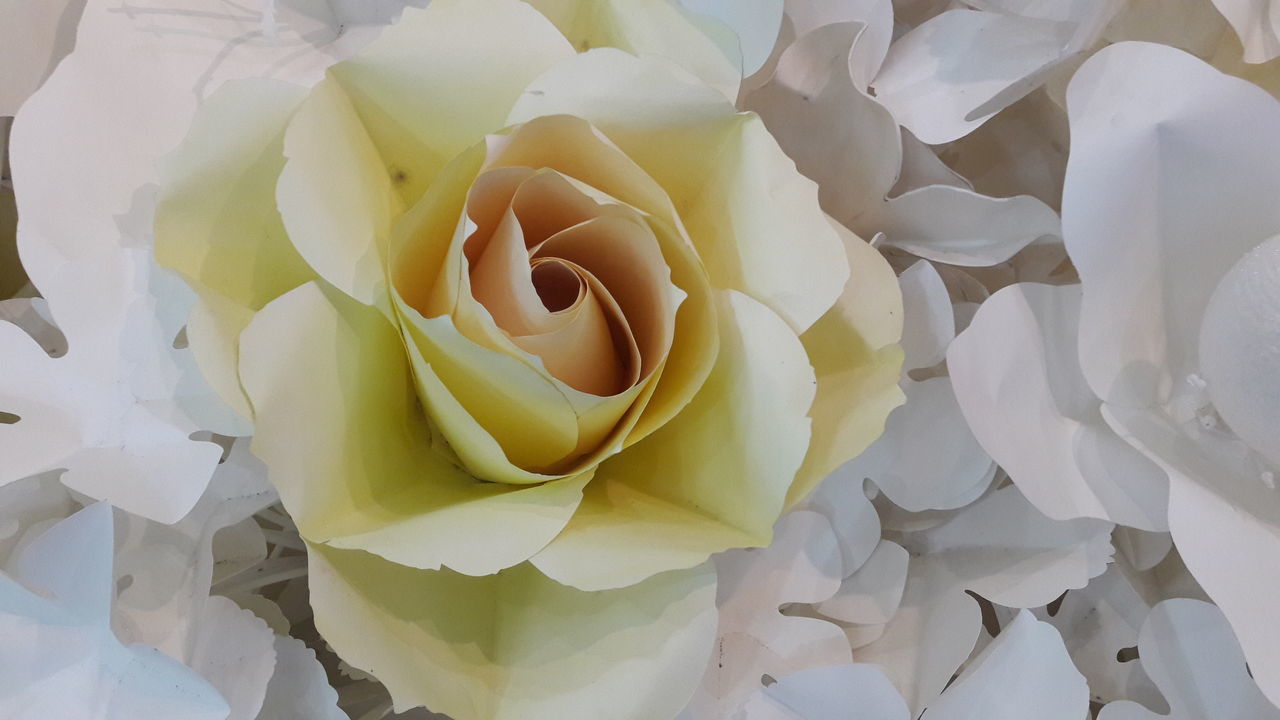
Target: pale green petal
pixel 338 424
pixel 335 196
pixel 712 478
pixel 647 27
pixel 754 219
pixel 516 645
pixel 216 218
pixel 444 76
pixel 855 353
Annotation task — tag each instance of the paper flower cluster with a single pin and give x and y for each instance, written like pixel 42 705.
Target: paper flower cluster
pixel 696 359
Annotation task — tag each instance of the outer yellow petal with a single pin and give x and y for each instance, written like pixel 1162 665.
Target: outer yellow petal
pixel 350 451
pixel 645 27
pixel 439 79
pixel 216 217
pixel 854 350
pixel 213 334
pixel 335 197
pixel 713 478
pixel 516 645
pixel 754 219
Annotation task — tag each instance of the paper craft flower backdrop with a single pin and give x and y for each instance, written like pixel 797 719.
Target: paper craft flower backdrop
pixel 493 321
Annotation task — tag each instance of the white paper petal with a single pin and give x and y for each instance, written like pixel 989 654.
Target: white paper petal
pixel 1097 622
pixel 33 38
pixel 299 689
pixel 932 633
pixel 59 654
pixel 1024 672
pixel 1175 164
pixel 809 15
pixel 802 565
pixel 1240 349
pixel 871 595
pixel 1019 384
pixel 939 80
pixel 833 692
pixel 928 323
pixel 842 498
pixel 1257 22
pixel 235 652
pixel 958 226
pixel 755 22
pixel 1011 554
pixel 942 474
pixel 1187 648
pixel 810 95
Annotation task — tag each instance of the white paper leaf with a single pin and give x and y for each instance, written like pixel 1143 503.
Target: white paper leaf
pixel 1018 381
pixel 1187 648
pixel 842 498
pixel 871 595
pixel 59 654
pixel 1024 672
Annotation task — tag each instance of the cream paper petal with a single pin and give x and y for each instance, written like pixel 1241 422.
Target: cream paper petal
pixel 516 644
pixel 1182 211
pixel 336 199
pixel 216 220
pixel 1188 649
pixel 810 93
pixel 830 692
pixel 755 24
pixel 802 565
pixel 1024 672
pixel 60 656
pixel 1240 348
pixel 645 27
pixel 1017 378
pixel 299 689
pixel 442 77
pixel 740 197
pixel 371 479
pixel 748 427
pixel 1257 23
pixel 958 226
pixel 855 356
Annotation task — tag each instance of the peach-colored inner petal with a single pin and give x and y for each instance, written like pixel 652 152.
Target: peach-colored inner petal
pixel 579 284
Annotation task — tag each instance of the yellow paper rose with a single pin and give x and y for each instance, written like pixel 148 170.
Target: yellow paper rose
pixel 527 331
